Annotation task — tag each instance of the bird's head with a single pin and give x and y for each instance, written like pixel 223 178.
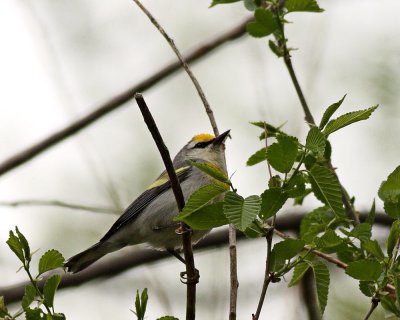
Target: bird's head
pixel 204 147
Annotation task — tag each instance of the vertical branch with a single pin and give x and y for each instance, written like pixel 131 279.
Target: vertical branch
pixel 184 64
pixel 233 273
pixel 267 276
pixel 210 114
pixel 308 115
pixel 191 272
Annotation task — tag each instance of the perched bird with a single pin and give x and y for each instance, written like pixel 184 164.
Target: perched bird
pixel 149 219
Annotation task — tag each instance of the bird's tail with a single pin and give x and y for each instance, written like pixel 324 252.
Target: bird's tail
pixel 86 258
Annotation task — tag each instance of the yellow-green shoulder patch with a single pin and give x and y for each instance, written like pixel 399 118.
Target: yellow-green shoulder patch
pixel 203 137
pixel 163 178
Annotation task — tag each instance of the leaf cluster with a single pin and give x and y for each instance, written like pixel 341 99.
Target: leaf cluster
pixel 42 301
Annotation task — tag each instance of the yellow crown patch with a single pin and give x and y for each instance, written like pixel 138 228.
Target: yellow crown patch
pixel 203 137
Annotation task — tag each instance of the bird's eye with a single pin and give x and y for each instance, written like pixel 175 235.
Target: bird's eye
pixel 201 144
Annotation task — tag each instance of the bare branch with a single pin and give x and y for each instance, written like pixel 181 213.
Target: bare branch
pixel 57 203
pixel 184 230
pixel 233 272
pixel 118 100
pixel 184 64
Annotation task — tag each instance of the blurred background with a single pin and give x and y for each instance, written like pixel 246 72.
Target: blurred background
pixel 61 59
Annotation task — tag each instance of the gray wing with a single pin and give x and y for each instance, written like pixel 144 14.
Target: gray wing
pixel 143 201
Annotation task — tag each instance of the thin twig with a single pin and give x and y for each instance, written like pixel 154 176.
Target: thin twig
pixel 56 203
pixel 117 101
pixel 310 119
pixel 233 272
pixel 374 304
pixel 267 276
pixel 184 64
pixel 191 271
pixel 270 232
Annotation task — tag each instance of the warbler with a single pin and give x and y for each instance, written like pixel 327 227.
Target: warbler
pixel 149 219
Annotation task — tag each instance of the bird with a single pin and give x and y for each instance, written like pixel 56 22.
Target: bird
pixel 149 218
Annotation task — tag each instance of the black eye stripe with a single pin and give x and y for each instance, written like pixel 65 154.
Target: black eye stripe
pixel 202 145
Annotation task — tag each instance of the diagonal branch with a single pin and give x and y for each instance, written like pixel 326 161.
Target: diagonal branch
pixel 184 64
pixel 118 100
pixel 184 230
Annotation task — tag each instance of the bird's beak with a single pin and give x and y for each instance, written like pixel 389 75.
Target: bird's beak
pixel 221 138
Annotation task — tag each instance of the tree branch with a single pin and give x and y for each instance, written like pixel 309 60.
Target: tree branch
pixel 184 230
pixel 56 203
pixel 115 263
pixel 374 304
pixel 310 119
pixel 184 64
pixel 118 100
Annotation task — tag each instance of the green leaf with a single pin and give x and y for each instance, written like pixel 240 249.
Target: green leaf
pixel 329 112
pixel 49 289
pixel 250 5
pixel 371 215
pixel 362 231
pixel 208 217
pixel 257 30
pixel 392 209
pixel 199 199
pixel 272 131
pixel 167 318
pixel 216 2
pixel 348 119
pixel 29 296
pixel 373 247
pixel 314 223
pixel 281 155
pixel 316 142
pixel 389 304
pixel 393 237
pixel 284 250
pixel 264 25
pixel 299 271
pixel 390 189
pixel 24 244
pixel 211 170
pixel 257 157
pixel 367 288
pixel 322 279
pixel 141 304
pixel 326 188
pixel 365 269
pixel 58 316
pixel 52 259
pixel 266 18
pixel 34 314
pixel 302 5
pixel 241 212
pixel 275 49
pixel 272 201
pixel 389 192
pixel 329 241
pixel 397 286
pixel 16 246
pixel 3 308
